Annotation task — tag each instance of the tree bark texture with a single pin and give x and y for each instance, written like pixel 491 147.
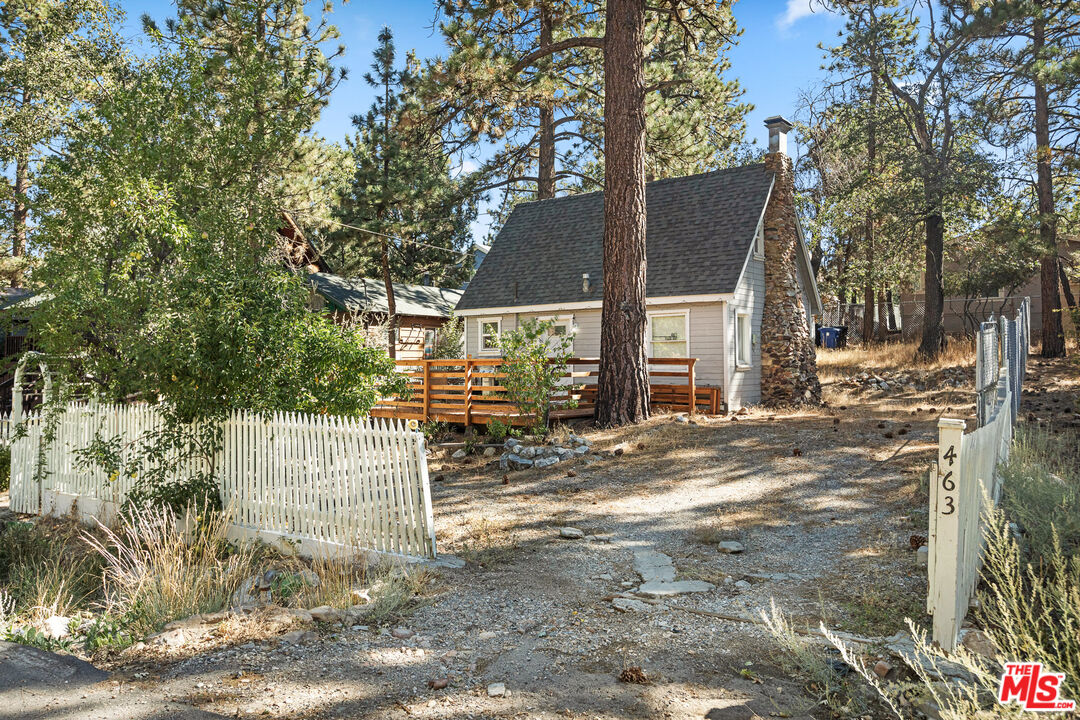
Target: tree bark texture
pixel 868 230
pixel 933 334
pixel 545 187
pixel 391 305
pixel 623 383
pixel 1053 331
pixel 19 213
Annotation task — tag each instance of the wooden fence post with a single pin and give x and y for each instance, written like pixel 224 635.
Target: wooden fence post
pixel 691 385
pixel 468 392
pixel 427 388
pixel 945 542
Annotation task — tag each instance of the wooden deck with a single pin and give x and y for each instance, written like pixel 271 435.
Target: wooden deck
pixel 470 391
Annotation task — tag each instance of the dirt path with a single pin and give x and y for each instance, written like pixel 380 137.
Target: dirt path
pixel 822 502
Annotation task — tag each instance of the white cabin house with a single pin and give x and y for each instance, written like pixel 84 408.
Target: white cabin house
pixel 708 260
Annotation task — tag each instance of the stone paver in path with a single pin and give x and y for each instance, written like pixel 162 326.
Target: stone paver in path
pixel 658 575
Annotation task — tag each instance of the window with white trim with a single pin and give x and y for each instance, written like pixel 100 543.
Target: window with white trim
pixel 560 327
pixel 743 341
pixel 669 335
pixel 490 329
pixel 429 342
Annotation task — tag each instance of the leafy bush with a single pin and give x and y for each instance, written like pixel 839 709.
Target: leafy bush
pixel 534 363
pixel 497 430
pixel 450 339
pixel 198 317
pixel 5 467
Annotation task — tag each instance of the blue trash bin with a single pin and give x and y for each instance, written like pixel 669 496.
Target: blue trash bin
pixel 829 337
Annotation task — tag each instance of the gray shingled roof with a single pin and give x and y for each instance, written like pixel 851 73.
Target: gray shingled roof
pixel 368 295
pixel 698 234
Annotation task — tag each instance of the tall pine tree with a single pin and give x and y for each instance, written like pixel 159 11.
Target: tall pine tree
pixel 1027 65
pixel 405 217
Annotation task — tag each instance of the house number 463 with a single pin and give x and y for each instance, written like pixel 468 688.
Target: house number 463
pixel 947 483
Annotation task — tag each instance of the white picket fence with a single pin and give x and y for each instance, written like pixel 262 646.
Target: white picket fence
pixel 312 483
pixel 967 474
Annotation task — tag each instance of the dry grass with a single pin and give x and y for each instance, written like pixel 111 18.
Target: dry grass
pixel 487 542
pixel 154 572
pixel 891 357
pixel 46 568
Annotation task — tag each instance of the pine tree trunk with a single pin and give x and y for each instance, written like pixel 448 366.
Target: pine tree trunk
pixel 391 305
pixel 933 334
pixel 868 229
pixel 882 318
pixel 545 187
pixel 19 213
pixel 868 313
pixel 1053 332
pixel 1065 289
pixel 623 383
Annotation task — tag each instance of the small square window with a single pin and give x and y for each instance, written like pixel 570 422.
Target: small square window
pixel 668 335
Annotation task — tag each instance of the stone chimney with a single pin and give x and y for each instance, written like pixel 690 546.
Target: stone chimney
pixel 788 360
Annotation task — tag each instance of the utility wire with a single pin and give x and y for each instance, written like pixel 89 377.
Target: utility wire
pixel 462 253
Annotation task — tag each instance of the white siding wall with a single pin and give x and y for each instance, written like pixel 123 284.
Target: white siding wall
pixel 804 283
pixel 706 335
pixel 745 388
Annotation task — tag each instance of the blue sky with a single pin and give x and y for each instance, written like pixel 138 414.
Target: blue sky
pixel 777 54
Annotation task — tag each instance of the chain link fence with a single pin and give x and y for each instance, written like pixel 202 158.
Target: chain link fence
pixel 903 320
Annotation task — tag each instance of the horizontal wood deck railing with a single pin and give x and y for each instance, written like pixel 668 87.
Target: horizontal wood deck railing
pixel 470 390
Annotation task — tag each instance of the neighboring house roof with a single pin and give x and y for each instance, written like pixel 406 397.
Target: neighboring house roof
pixel 360 295
pixel 699 231
pixel 480 252
pixel 21 298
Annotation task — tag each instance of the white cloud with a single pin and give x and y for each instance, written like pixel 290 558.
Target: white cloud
pixel 796 10
pixel 467 166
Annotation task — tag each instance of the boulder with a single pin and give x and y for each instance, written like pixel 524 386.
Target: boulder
pixel 297 637
pixel 56 627
pixel 513 461
pixel 496 690
pixel 571 533
pixel 168 638
pixel 460 454
pixel 546 461
pixel 730 546
pixel 327 614
pixel 489 452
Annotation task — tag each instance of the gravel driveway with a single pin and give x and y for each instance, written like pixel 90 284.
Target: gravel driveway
pixel 823 502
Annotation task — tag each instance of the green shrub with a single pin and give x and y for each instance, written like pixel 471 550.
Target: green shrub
pixel 1041 491
pixel 450 339
pixel 5 467
pixel 497 430
pixel 535 362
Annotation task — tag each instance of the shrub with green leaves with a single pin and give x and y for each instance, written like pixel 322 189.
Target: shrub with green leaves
pixel 5 467
pixel 497 430
pixel 450 339
pixel 535 360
